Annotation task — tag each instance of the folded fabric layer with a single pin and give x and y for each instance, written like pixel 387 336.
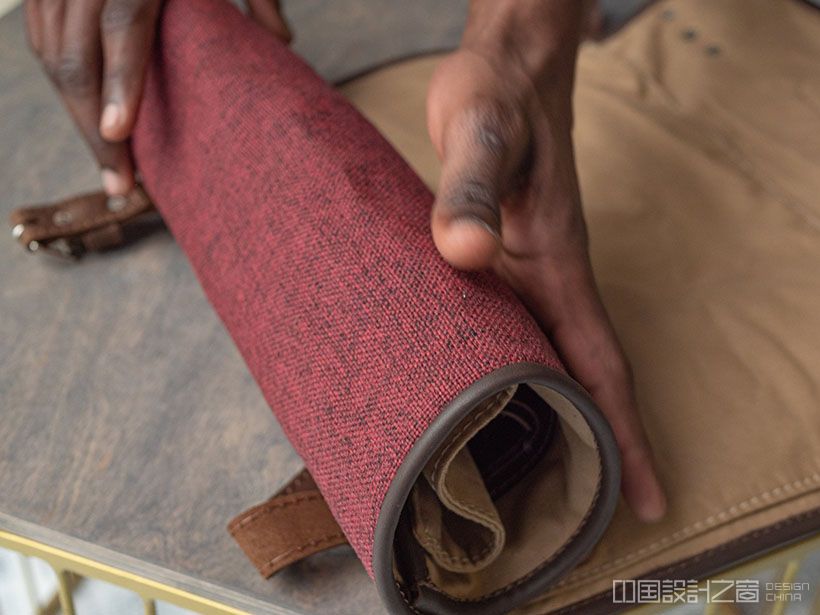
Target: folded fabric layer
pixel 310 237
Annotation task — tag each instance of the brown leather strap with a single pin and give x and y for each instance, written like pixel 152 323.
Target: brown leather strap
pixel 293 524
pixel 89 222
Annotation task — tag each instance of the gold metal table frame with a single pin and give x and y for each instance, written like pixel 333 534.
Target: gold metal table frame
pixel 65 564
pixel 787 561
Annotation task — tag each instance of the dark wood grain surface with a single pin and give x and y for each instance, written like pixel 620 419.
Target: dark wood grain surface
pixel 130 429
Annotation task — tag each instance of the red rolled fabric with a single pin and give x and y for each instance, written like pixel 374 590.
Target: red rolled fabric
pixel 310 236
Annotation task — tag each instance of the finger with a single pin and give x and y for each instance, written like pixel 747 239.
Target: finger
pixel 34 28
pixel 128 29
pixel 77 75
pixel 268 15
pixel 568 305
pixel 588 342
pixel 51 17
pixel 482 147
pixel 480 141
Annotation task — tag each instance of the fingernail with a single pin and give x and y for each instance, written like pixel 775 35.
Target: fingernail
pixel 111 118
pixel 113 183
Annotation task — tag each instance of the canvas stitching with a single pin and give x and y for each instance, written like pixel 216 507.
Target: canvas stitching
pixel 749 505
pixel 266 508
pixel 313 543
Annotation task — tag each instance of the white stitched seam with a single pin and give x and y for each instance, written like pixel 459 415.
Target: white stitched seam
pixel 750 505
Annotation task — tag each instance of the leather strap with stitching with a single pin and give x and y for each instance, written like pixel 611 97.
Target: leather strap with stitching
pixel 85 223
pixel 293 524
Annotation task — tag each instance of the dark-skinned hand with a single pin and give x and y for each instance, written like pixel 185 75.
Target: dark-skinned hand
pixel 96 53
pixel 500 117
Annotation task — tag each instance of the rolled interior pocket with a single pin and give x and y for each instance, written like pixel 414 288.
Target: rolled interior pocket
pixel 500 499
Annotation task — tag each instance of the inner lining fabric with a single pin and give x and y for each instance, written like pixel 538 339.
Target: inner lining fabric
pixel 510 486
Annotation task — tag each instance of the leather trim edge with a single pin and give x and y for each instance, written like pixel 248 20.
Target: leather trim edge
pixel 712 561
pixel 587 537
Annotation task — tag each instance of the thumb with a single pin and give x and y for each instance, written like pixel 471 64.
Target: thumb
pixel 268 15
pixel 482 147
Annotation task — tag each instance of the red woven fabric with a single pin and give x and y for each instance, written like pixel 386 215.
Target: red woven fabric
pixel 310 236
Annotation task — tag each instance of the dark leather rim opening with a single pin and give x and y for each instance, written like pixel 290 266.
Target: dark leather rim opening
pixel 429 442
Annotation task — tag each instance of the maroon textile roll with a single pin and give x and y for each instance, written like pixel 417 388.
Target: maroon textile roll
pixel 310 236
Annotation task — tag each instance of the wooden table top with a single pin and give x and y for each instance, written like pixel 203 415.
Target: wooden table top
pixel 130 429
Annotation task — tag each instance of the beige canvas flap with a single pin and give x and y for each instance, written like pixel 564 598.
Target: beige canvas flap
pixel 456 521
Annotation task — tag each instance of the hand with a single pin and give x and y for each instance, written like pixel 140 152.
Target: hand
pixel 500 117
pixel 96 52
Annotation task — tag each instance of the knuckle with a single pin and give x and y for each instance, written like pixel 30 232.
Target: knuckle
pixel 122 14
pixel 71 74
pixel 489 129
pixel 475 197
pixel 475 191
pixel 493 124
